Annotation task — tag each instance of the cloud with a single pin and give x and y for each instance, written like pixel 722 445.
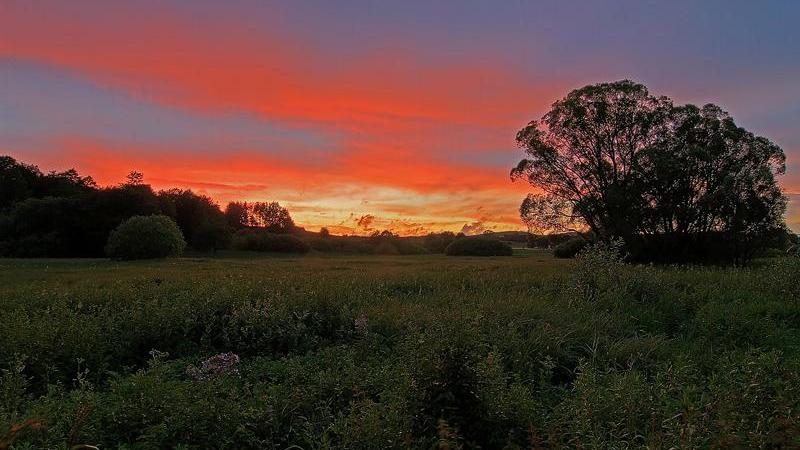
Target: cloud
pixel 365 221
pixel 793 212
pixel 474 228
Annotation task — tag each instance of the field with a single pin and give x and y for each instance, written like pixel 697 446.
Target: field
pixel 395 352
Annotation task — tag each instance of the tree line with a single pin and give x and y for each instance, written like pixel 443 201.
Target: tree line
pixel 60 214
pixel 64 214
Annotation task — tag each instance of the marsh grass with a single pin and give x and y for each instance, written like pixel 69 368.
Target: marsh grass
pixel 398 352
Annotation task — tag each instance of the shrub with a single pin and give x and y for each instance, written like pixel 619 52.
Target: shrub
pixel 478 247
pixel 570 248
pixel 142 237
pixel 599 270
pixel 262 241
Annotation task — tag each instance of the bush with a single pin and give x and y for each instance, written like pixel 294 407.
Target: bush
pixel 142 237
pixel 570 248
pixel 478 247
pixel 598 270
pixel 262 241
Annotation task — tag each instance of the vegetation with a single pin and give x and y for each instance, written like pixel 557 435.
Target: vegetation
pixel 676 183
pixel 143 237
pixel 398 352
pixel 61 214
pixel 478 246
pixel 438 242
pixel 270 216
pixel 570 248
pixel 263 241
pixel 243 350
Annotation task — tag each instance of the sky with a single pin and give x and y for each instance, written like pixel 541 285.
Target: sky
pixel 366 115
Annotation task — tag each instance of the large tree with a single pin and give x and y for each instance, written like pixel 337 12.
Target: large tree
pixel 618 161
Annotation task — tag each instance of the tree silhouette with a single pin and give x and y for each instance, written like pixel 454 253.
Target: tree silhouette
pixel 614 159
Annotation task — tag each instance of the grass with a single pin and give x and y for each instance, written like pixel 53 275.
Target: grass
pixel 421 351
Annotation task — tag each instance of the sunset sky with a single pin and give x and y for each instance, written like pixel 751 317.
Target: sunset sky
pixel 365 115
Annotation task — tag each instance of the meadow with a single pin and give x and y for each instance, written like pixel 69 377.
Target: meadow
pixel 242 351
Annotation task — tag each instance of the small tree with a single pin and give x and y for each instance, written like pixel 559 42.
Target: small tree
pixel 142 237
pixel 134 178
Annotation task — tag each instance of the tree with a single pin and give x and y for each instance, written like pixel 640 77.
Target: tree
pixel 623 163
pixel 17 181
pixel 324 233
pixel 271 216
pixel 45 227
pixel 190 211
pixel 237 216
pixel 711 175
pixel 585 157
pixel 20 181
pixel 211 236
pixel 134 178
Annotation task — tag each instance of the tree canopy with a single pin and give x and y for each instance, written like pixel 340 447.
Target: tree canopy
pixel 618 161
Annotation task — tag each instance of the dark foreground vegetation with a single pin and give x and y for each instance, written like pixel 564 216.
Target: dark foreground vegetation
pixel 398 352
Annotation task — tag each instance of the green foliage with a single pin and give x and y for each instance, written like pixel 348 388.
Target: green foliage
pixel 478 246
pixel 263 241
pixel 570 248
pixel 599 270
pixel 142 237
pixel 392 352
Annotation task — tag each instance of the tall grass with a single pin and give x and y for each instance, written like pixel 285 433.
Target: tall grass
pixel 398 352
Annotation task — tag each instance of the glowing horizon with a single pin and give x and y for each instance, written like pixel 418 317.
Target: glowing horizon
pixel 361 117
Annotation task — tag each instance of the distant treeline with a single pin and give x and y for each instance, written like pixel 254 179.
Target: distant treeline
pixel 64 214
